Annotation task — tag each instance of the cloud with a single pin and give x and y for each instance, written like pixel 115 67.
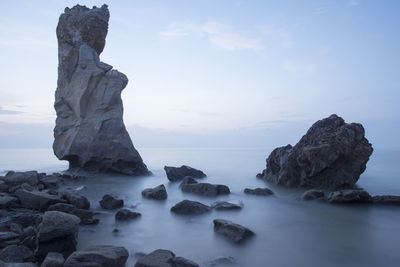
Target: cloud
pixel 218 34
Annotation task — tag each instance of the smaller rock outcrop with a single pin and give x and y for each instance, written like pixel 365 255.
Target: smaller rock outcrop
pixel 331 155
pixel 99 256
pixel 190 185
pixel 165 258
pixel 226 205
pixel 110 202
pixel 190 207
pixel 349 196
pixel 232 231
pixel 158 192
pixel 259 191
pixel 125 214
pixel 73 197
pixel 178 173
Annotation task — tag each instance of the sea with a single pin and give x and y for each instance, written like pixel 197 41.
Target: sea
pixel 288 231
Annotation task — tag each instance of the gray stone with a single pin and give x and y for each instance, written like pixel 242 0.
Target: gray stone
pixel 226 205
pixel 190 207
pixel 312 194
pixel 7 201
pixel 50 181
pixel 8 238
pixel 3 186
pixel 386 200
pixel 331 155
pixel 18 178
pixel 38 200
pixel 125 214
pixel 188 180
pixel 178 173
pixel 76 199
pixel 14 253
pixel 164 258
pixel 110 202
pixel 189 185
pixel 53 259
pixel 86 216
pixel 259 191
pixel 16 264
pixel 349 196
pixel 98 256
pixel 232 231
pixel 90 132
pixel 57 233
pixel 158 192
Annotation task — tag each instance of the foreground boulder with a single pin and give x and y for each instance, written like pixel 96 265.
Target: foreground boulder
pixel 125 214
pixel 110 202
pixel 190 207
pixel 39 200
pixel 158 192
pixel 178 173
pixel 90 133
pixel 190 185
pixel 331 155
pixel 232 231
pixel 349 196
pixel 57 233
pixel 99 256
pixel 258 191
pixel 164 258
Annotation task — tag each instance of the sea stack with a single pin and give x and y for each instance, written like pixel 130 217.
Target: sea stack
pixel 90 132
pixel 331 155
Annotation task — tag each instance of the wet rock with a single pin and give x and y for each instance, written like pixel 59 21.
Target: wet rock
pixel 349 196
pixel 86 216
pixel 110 202
pixel 3 186
pixel 8 238
pixel 158 192
pixel 259 191
pixel 312 194
pixel 14 253
pixel 38 200
pixel 18 178
pixel 76 199
pixel 222 261
pixel 90 133
pixel 165 258
pixel 57 233
pixel 27 218
pixel 232 231
pixel 225 205
pixel 99 256
pixel 7 201
pixel 50 181
pixel 53 259
pixel 189 185
pixel 178 173
pixel 125 214
pixel 331 155
pixel 386 200
pixel 190 207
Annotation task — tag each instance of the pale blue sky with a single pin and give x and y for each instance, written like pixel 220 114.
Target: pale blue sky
pixel 215 73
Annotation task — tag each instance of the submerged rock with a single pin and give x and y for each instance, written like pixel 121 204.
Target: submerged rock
pixel 312 194
pixel 331 155
pixel 259 191
pixel 349 196
pixel 164 258
pixel 90 132
pixel 232 231
pixel 178 173
pixel 110 202
pixel 99 256
pixel 158 192
pixel 125 214
pixel 190 207
pixel 189 185
pixel 386 200
pixel 225 205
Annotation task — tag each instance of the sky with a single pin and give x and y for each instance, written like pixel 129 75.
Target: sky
pixel 215 73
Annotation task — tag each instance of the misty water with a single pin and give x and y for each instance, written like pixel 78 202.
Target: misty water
pixel 289 232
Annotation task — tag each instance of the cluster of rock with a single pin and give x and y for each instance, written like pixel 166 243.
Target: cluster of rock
pixel 90 133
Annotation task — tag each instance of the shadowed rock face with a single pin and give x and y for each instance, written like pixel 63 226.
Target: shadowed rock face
pixel 331 155
pixel 90 132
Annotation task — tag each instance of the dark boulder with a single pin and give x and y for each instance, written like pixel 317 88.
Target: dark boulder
pixel 76 199
pixel 8 238
pixel 110 202
pixel 178 173
pixel 232 231
pixel 225 205
pixel 86 216
pixel 53 259
pixel 125 214
pixel 38 200
pixel 331 155
pixel 50 181
pixel 312 194
pixel 14 253
pixel 98 256
pixel 190 207
pixel 259 191
pixel 7 201
pixel 18 178
pixel 189 185
pixel 164 258
pixel 349 196
pixel 386 200
pixel 158 192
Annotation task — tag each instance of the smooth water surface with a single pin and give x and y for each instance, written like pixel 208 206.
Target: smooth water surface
pixel 289 232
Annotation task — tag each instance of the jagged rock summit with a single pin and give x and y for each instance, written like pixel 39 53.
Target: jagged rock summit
pixel 90 132
pixel 331 155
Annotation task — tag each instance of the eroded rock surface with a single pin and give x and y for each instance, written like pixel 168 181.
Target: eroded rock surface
pixel 331 155
pixel 90 132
